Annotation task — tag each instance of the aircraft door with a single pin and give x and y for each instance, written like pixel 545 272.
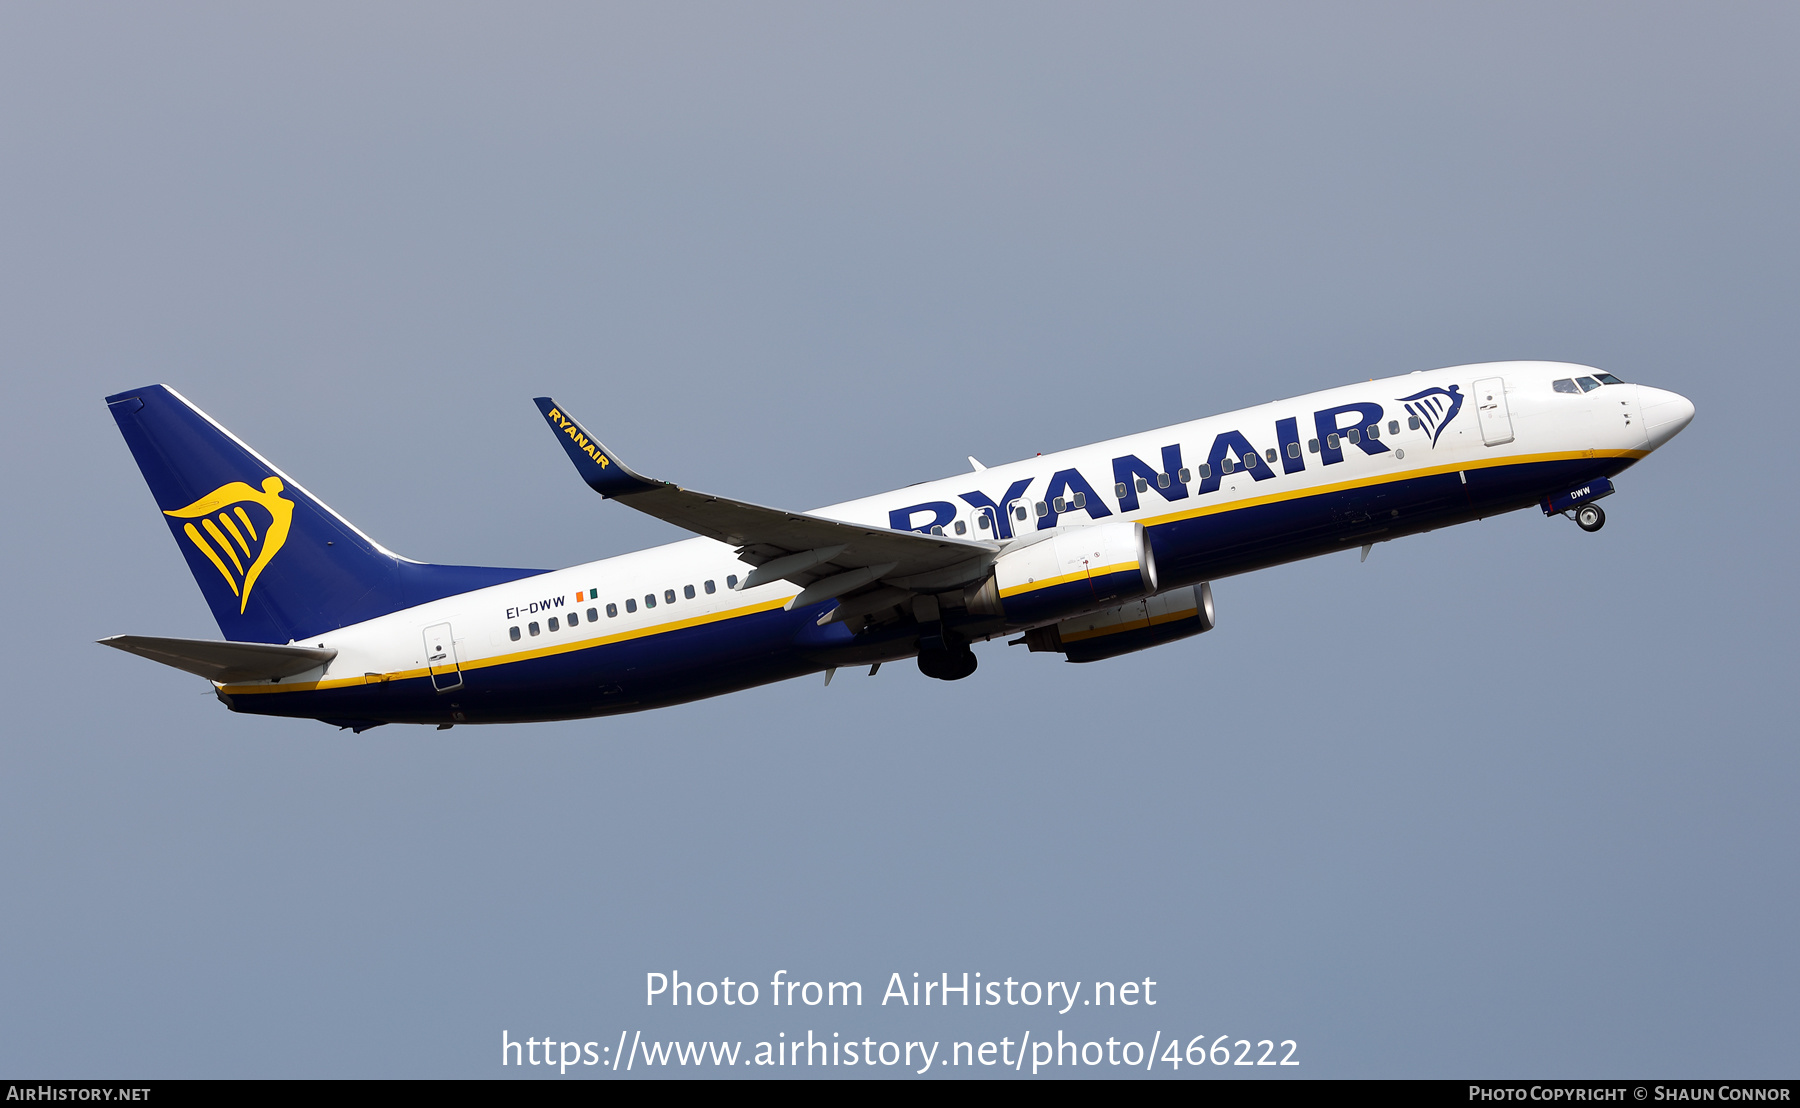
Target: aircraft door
pixel 1018 517
pixel 986 524
pixel 440 657
pixel 1491 412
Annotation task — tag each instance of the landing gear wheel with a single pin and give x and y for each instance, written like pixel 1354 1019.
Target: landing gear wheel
pixel 947 665
pixel 1590 517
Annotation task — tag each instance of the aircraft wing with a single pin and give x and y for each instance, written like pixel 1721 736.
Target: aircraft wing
pixel 826 557
pixel 225 662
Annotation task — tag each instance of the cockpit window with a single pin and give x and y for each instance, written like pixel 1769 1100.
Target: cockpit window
pixel 1608 379
pixel 1588 384
pixel 1567 384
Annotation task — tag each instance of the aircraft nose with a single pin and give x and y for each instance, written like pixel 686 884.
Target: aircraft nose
pixel 1665 413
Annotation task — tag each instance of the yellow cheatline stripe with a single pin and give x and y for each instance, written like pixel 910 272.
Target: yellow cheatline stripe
pixel 213 530
pixel 235 533
pixel 195 537
pixel 520 656
pixel 247 526
pixel 1134 625
pixel 1079 575
pixel 1386 479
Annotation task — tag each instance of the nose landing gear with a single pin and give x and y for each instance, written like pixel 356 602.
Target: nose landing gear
pixel 1578 504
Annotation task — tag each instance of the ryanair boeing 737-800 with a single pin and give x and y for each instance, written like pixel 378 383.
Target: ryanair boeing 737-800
pixel 1091 553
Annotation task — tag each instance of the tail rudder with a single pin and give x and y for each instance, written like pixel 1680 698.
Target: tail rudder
pixel 273 561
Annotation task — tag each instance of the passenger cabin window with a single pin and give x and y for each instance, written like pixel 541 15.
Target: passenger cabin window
pixel 1250 461
pixel 1293 450
pixel 936 530
pixel 1041 510
pixel 1312 445
pixel 1226 465
pixel 1143 485
pixel 1331 442
pixel 513 633
pixel 1119 491
pixel 1567 384
pixel 1081 500
pixel 532 627
pixel 1374 430
pixel 553 624
pixel 731 581
pixel 669 596
pixel 649 600
pixel 961 527
pixel 1022 512
pixel 612 611
pixel 574 620
pixel 1162 480
pixel 1205 471
pixel 1393 427
pixel 1270 455
pixel 981 521
pixel 1588 384
pixel 593 615
pixel 631 605
pixel 1059 505
pixel 711 588
pixel 687 591
pixel 1412 423
pixel 1353 435
pixel 1185 475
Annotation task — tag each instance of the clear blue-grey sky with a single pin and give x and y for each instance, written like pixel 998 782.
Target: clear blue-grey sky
pixel 1507 799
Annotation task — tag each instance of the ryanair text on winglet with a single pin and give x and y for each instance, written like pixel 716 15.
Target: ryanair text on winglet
pixel 582 442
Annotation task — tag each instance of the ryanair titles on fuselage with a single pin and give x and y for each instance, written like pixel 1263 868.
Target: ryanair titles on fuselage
pixel 1358 424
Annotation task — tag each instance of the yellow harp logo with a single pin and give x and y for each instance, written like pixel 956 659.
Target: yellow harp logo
pixel 241 541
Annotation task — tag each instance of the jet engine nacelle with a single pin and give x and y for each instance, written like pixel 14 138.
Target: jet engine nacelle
pixel 1139 625
pixel 1070 570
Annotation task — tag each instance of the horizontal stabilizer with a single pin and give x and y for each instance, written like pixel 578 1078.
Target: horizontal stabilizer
pixel 224 662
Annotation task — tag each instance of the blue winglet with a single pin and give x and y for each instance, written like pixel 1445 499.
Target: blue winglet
pixel 598 466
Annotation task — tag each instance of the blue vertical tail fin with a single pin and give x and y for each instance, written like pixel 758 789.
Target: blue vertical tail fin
pixel 274 563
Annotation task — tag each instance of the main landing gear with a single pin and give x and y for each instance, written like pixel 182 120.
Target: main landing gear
pixel 946 657
pixel 947 665
pixel 1590 517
